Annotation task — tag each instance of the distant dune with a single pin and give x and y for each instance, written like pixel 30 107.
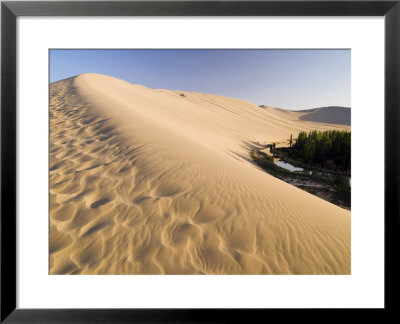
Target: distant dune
pixel 147 181
pixel 328 115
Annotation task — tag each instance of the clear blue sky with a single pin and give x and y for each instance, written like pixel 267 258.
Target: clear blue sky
pixel 292 79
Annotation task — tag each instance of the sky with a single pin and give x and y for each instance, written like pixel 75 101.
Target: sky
pixel 289 79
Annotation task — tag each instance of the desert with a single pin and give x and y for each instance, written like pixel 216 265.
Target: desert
pixel 155 181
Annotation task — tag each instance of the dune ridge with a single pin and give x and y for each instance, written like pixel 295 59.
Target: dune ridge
pixel 327 115
pixel 147 181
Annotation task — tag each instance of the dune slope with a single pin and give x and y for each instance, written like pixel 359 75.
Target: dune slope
pixel 327 115
pixel 333 115
pixel 149 181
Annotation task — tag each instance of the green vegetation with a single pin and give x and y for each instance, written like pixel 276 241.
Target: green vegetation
pixel 266 162
pixel 326 153
pixel 327 150
pixel 342 190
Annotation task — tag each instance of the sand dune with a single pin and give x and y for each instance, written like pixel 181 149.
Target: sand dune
pixel 147 181
pixel 327 115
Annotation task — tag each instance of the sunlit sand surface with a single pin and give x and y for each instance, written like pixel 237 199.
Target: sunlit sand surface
pixel 147 181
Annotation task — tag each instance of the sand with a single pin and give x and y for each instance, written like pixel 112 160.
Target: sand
pixel 329 115
pixel 146 181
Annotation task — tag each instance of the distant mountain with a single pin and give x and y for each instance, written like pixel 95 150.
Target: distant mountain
pixel 328 115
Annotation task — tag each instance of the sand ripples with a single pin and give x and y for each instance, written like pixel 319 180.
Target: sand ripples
pixel 130 195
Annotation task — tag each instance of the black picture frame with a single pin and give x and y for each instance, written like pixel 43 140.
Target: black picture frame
pixel 10 10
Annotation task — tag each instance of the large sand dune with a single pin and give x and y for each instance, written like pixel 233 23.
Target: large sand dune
pixel 147 181
pixel 328 115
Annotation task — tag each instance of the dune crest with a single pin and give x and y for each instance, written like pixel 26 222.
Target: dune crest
pixel 147 181
pixel 327 115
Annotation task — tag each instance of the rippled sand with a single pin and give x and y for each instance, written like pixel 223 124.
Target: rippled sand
pixel 147 181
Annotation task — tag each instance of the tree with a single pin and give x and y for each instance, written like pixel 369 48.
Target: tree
pixel 330 149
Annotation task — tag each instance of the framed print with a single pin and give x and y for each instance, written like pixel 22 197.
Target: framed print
pixel 195 161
